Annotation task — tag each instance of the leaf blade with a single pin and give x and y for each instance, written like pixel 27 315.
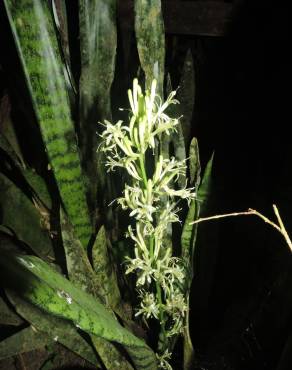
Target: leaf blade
pixel 55 294
pixel 34 35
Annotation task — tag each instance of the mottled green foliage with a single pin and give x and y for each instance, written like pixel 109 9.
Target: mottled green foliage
pixel 78 266
pixel 34 34
pixel 30 228
pixel 105 271
pixel 50 291
pixel 149 29
pixel 81 275
pixel 25 340
pixel 53 328
pixel 98 43
pixel 188 236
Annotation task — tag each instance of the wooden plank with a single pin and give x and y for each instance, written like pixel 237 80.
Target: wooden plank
pixel 202 18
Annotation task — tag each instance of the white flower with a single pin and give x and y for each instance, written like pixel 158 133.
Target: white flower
pixel 148 306
pixel 163 360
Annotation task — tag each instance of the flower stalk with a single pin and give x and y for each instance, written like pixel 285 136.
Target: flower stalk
pixel 152 203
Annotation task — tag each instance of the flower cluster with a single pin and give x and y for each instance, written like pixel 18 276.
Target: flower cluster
pixel 152 202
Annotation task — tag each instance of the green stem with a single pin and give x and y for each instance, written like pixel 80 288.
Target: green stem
pixel 161 312
pixel 151 246
pixel 151 249
pixel 142 168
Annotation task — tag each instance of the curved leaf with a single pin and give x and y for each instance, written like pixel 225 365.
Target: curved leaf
pixel 49 290
pixel 53 328
pixel 33 30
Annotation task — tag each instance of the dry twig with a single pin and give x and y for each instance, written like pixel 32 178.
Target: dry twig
pixel 280 227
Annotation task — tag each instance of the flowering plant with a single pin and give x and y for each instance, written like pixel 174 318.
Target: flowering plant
pixel 151 196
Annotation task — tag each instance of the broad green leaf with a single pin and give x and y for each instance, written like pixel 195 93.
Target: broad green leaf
pixel 7 316
pixel 54 328
pixel 53 293
pixel 20 215
pixel 33 30
pixel 98 44
pixel 25 340
pixel 81 275
pixel 149 29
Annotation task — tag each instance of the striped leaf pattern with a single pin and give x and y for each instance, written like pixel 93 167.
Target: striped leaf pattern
pixel 52 328
pixel 81 275
pixel 53 293
pixel 34 34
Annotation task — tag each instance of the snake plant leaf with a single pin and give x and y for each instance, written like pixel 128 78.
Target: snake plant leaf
pixel 20 215
pixel 205 188
pixel 186 96
pixel 98 44
pixel 36 184
pixel 7 131
pixel 149 29
pixel 25 340
pixel 197 206
pixel 8 149
pixel 104 270
pixel 54 328
pixel 61 22
pixel 82 275
pixel 194 164
pixel 39 189
pixel 79 268
pixel 50 291
pixel 33 30
pixel 7 316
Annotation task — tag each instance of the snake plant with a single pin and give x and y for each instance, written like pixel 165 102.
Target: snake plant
pixel 65 274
